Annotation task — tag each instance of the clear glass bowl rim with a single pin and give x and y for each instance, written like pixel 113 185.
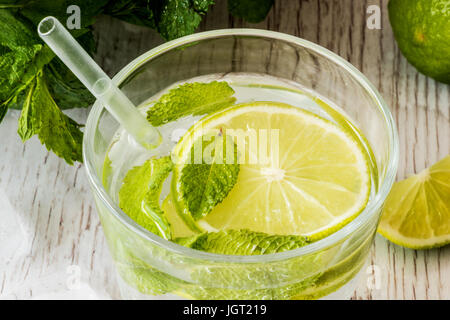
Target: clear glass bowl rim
pixel 373 206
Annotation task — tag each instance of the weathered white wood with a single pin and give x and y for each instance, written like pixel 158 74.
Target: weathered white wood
pixel 54 202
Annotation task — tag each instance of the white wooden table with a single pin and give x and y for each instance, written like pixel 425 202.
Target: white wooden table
pixel 64 239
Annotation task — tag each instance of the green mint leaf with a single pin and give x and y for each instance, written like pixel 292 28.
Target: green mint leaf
pixel 3 110
pixel 67 91
pixel 242 242
pixel 202 5
pixel 140 192
pixel 191 99
pixel 22 56
pixel 250 10
pixel 210 176
pixel 235 277
pixel 139 12
pixel 177 18
pixel 172 18
pixel 16 31
pixel 13 67
pixel 24 72
pixel 140 274
pixel 32 80
pixel 149 280
pixel 40 115
pixel 65 88
pixel 26 128
pixel 248 281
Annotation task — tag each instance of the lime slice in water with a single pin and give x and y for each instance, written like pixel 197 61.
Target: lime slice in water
pixel 315 179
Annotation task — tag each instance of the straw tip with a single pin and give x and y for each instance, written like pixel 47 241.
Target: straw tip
pixel 47 25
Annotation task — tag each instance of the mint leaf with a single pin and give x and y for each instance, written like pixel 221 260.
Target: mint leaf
pixel 235 278
pixel 22 56
pixel 250 10
pixel 15 30
pixel 149 280
pixel 67 91
pixel 208 182
pixel 139 12
pixel 177 18
pixel 140 274
pixel 140 192
pixel 242 242
pixel 32 81
pixel 172 18
pixel 40 115
pixel 138 271
pixel 283 280
pixel 191 99
pixel 3 110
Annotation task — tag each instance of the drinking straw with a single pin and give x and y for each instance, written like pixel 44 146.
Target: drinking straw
pixel 97 82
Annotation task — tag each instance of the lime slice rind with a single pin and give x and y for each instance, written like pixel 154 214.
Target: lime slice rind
pixel 417 211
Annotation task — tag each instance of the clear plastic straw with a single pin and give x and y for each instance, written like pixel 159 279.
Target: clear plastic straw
pixel 97 82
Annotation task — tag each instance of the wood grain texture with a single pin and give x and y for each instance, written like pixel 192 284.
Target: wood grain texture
pixel 55 205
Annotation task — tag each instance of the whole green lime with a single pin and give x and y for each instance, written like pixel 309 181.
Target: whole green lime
pixel 422 31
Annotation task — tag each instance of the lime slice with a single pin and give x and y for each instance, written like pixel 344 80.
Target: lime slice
pixel 417 211
pixel 177 225
pixel 315 178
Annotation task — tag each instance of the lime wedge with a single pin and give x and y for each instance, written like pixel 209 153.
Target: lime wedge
pixel 417 211
pixel 315 178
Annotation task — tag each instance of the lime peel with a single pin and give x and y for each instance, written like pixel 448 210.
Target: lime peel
pixel 417 211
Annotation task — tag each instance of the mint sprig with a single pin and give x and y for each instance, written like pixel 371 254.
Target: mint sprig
pixel 251 281
pixel 242 242
pixel 23 56
pixel 32 79
pixel 191 99
pixel 206 183
pixel 140 193
pixel 41 115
